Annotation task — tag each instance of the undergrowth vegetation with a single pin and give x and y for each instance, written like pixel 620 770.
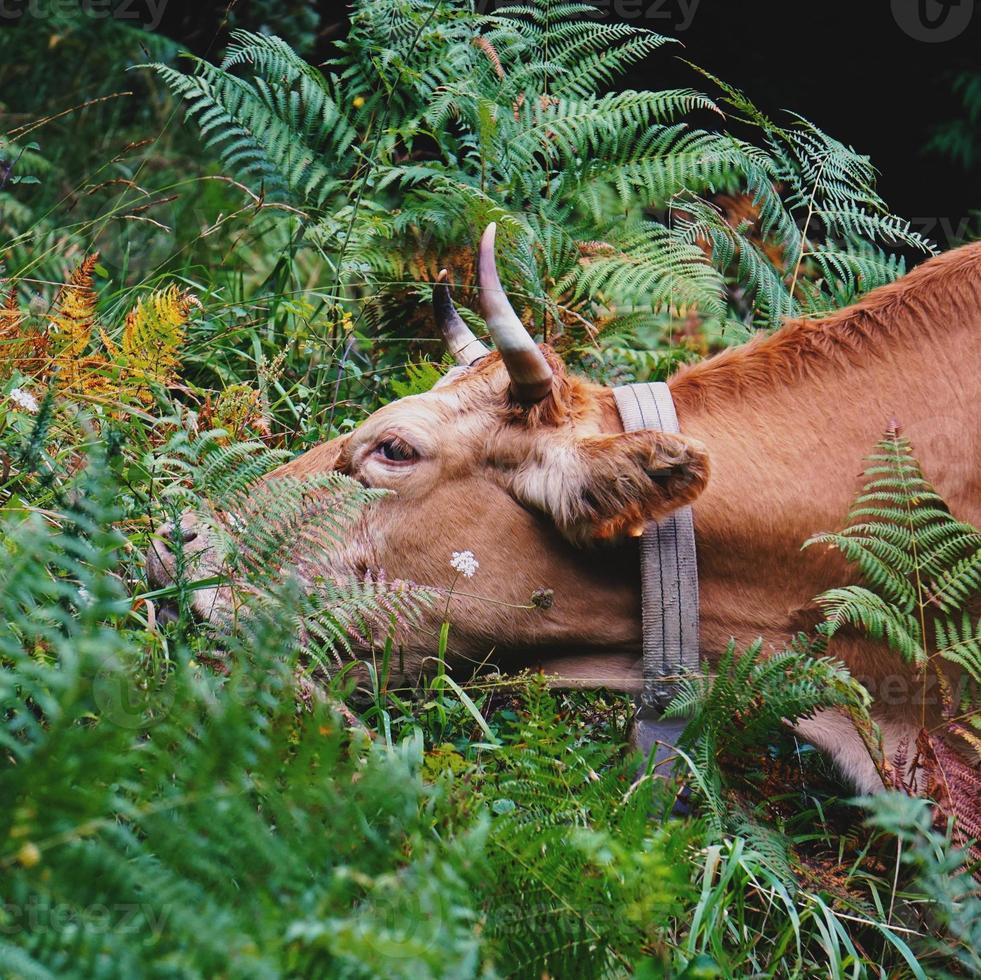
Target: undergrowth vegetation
pixel 233 264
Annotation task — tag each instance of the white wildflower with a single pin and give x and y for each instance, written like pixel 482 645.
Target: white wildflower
pixel 25 400
pixel 465 563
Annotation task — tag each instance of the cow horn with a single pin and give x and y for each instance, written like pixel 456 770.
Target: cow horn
pixel 460 339
pixel 531 377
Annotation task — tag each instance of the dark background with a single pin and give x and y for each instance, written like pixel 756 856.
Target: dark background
pixel 847 65
pixel 851 69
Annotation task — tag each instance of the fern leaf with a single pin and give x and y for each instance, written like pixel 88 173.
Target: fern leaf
pixel 73 315
pixel 22 347
pixel 153 334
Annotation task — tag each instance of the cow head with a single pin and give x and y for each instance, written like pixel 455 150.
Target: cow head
pixel 509 457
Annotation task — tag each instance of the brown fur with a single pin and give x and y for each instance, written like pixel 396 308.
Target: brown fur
pixel 922 307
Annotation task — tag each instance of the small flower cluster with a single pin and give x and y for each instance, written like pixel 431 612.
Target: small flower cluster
pixel 24 400
pixel 465 563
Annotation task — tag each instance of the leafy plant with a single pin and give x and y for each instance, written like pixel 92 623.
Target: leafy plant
pixel 59 346
pixel 140 799
pixel 435 119
pixel 958 138
pixel 738 706
pixel 586 878
pixel 922 568
pixel 942 886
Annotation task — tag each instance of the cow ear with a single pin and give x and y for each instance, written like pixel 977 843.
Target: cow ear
pixel 613 485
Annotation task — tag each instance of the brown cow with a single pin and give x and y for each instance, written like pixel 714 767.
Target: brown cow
pixel 529 468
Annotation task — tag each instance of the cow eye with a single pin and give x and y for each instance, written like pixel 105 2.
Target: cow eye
pixel 395 451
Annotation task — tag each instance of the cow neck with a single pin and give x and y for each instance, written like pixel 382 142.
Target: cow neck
pixel 668 568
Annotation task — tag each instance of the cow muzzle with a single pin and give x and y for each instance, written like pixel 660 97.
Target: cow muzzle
pixel 185 552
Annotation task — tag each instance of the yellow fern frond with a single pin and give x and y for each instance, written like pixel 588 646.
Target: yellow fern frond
pixel 109 344
pixel 88 375
pixel 74 314
pixel 152 337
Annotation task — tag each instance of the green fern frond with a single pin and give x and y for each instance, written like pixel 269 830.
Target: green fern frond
pixel 960 643
pixel 919 563
pixel 749 696
pixel 436 118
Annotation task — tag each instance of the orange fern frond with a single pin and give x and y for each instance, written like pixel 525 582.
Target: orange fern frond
pixel 87 375
pixel 22 348
pixel 492 56
pixel 9 308
pixel 954 784
pixel 11 319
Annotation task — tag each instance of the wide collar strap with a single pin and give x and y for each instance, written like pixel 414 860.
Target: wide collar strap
pixel 668 569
